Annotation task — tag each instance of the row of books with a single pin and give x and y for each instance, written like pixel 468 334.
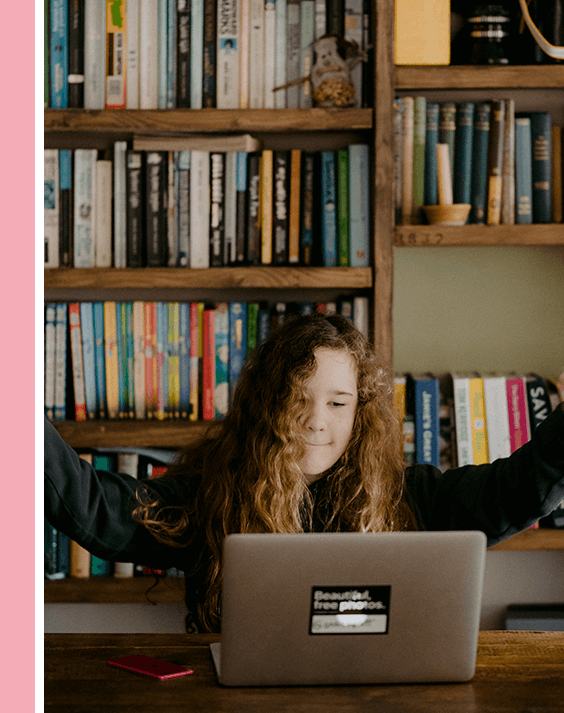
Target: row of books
pixel 65 558
pixel 160 360
pixel 162 204
pixel 506 165
pixel 163 54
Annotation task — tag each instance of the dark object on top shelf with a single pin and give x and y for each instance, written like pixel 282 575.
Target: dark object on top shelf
pixel 489 35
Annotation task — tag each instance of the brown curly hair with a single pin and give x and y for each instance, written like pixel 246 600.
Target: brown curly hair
pixel 248 462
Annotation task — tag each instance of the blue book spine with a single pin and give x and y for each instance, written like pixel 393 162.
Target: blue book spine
pixel 171 55
pixel 264 323
pixel 427 421
pixel 359 204
pixel 238 340
pixel 59 54
pixel 479 191
pixel 184 357
pixel 221 391
pixel 329 208
pixel 61 322
pixel 523 171
pixel 162 51
pixel 541 142
pixel 88 358
pixel 130 355
pixel 196 53
pixel 52 559
pixel 100 359
pixel 122 358
pixel 431 188
pixel 462 181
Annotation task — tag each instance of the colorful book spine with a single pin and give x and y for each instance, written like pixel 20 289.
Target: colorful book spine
pixel 238 340
pixel 173 360
pixel 343 216
pixel 280 206
pixel 51 208
pixel 184 358
pixel 49 402
pixel 359 204
pixel 77 363
pixel 84 207
pixel 150 309
pixel 541 139
pixel 100 358
pixel 419 131
pixel 88 358
pixel 329 209
pixel 115 54
pixel 61 322
pixel 111 360
pixel 130 359
pixel 95 51
pixel 217 215
pixel 295 206
pixel 480 145
pixel 209 59
pixel 59 54
pixel 464 134
pixel 523 172
pixel 517 408
pixel 138 320
pixel 208 365
pixel 162 361
pixel 65 208
pixel 426 395
pixel 478 421
pixel 196 322
pixel 121 360
pixel 431 196
pixel 241 200
pixel 495 161
pixel 267 204
pixel 221 356
pixel 227 54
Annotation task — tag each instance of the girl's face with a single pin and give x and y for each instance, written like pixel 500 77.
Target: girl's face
pixel 329 418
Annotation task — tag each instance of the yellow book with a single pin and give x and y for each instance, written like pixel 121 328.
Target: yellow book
pixel 111 353
pixel 266 200
pixel 196 356
pixel 173 360
pixel 115 54
pixel 422 32
pixel 478 420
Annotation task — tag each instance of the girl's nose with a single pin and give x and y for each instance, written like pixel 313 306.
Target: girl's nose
pixel 315 419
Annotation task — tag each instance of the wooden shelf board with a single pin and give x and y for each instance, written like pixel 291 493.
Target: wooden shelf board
pixel 184 121
pixel 148 434
pixel 533 540
pixel 219 277
pixel 481 77
pixel 113 590
pixel 478 235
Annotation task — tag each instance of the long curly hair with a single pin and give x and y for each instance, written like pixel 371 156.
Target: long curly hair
pixel 248 462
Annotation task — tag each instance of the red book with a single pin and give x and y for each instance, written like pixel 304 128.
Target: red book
pixel 208 411
pixel 518 411
pixel 151 358
pixel 77 364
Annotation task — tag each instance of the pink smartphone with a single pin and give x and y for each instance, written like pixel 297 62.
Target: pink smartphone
pixel 147 665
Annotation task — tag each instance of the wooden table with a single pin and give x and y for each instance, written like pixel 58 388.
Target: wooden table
pixel 517 672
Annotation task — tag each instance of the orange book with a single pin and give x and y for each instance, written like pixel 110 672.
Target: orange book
pixel 266 200
pixel 294 222
pixel 112 365
pixel 77 363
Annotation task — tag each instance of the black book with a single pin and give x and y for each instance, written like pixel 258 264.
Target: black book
pixel 306 213
pixel 336 17
pixel 66 208
pixel 253 222
pixel 242 208
pixel 156 190
pixel 183 54
pixel 281 206
pixel 217 209
pixel 210 54
pixel 541 140
pixel 76 54
pixel 134 208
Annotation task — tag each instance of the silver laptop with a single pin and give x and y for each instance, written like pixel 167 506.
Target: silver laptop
pixel 349 608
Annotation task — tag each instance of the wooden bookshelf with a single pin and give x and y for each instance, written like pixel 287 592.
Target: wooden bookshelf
pixel 144 434
pixel 478 235
pixel 147 278
pixel 533 540
pixel 546 76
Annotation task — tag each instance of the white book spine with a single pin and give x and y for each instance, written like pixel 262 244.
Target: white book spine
pixel 162 50
pixel 200 209
pixel 103 213
pixel 230 207
pixel 360 315
pixel 462 418
pixel 84 207
pixel 172 224
pixel 354 19
pixel 51 207
pixel 171 56
pixel 49 360
pixel 269 53
pixel 256 55
pixel 307 36
pixel 94 54
pixel 139 358
pixel 320 18
pixel 244 30
pixel 280 55
pixel 497 419
pixel 132 82
pixel 196 54
pixel 292 52
pixel 120 204
pixel 148 55
pixel 227 54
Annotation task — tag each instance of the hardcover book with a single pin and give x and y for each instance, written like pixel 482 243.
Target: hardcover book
pixel 100 358
pixel 266 205
pixel 230 213
pixel 480 163
pixel 292 52
pixel 49 401
pixel 541 139
pixel 523 171
pixel 508 166
pixel 424 391
pixel 256 54
pixel 119 203
pixel 111 360
pixel 281 205
pixel 196 54
pixel 59 54
pixel 222 356
pixel 156 180
pixel 65 208
pixel 184 358
pixel 241 200
pixel 208 365
pixel 95 54
pixel 518 412
pixel 183 159
pixel 88 358
pixel 343 215
pixel 51 208
pixel 419 130
pixel 431 196
pixel 103 213
pixel 77 363
pixel 183 54
pixel 497 418
pixel 237 344
pixel 295 206
pixel 84 207
pixel 464 133
pixel 307 199
pixel 269 58
pixel 115 54
pixel 254 218
pixel 329 209
pixel 217 208
pixel 135 223
pixel 76 54
pixel 200 209
pixel 148 55
pixel 132 79
pixel 495 160
pixel 61 322
pixel 359 204
pixel 210 53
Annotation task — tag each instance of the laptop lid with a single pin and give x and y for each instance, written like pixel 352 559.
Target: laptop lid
pixel 350 608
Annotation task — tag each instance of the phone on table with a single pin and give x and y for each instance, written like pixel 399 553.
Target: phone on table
pixel 148 666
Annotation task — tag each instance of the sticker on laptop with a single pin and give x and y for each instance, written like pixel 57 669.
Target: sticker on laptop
pixel 350 610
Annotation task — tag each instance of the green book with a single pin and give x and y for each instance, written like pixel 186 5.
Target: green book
pixel 419 130
pixel 343 237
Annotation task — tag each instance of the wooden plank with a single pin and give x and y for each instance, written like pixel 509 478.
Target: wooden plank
pixel 154 434
pixel 112 590
pixel 533 540
pixel 220 277
pixel 481 77
pixel 184 121
pixel 478 235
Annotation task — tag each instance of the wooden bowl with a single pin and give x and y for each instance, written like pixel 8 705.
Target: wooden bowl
pixel 455 214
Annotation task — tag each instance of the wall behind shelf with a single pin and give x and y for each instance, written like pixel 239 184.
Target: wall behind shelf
pixel 485 309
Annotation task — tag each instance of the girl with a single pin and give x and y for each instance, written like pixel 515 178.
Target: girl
pixel 311 444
